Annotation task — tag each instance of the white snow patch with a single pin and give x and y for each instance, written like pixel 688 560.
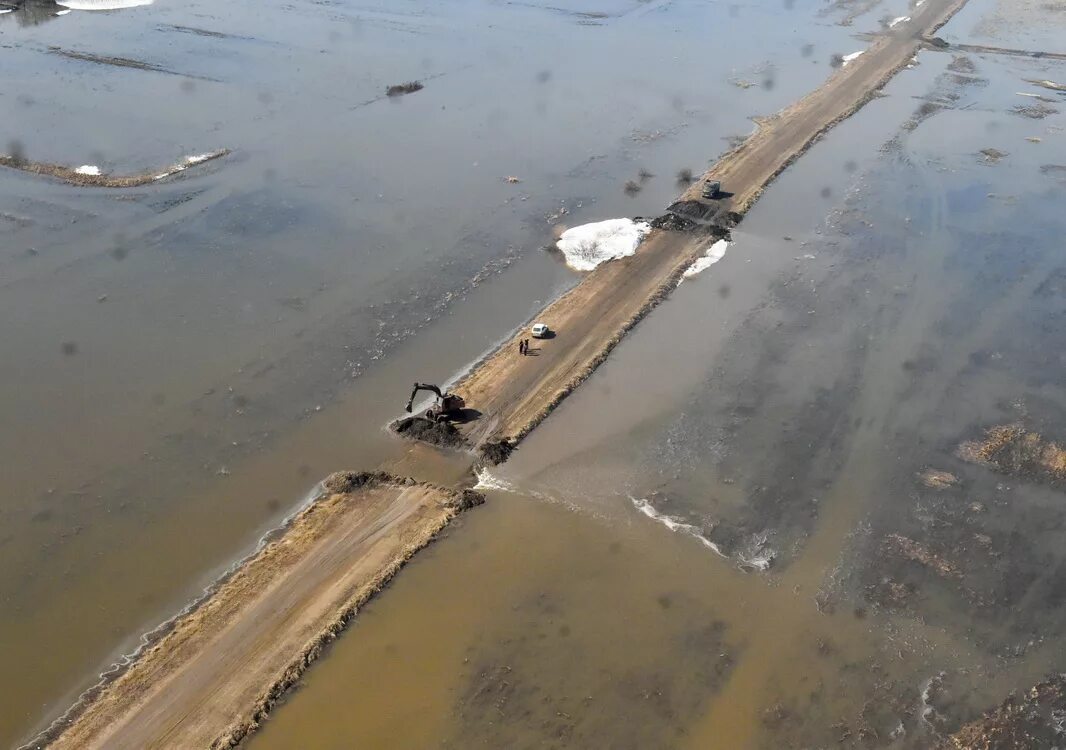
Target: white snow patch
pixel 894 21
pixel 88 169
pixel 589 245
pixel 848 58
pixel 758 553
pixel 63 12
pixel 190 161
pixel 4 10
pixel 714 254
pixel 102 4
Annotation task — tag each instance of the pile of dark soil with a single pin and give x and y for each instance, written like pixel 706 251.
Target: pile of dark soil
pixel 1031 720
pixel 400 89
pixel 349 481
pixel 443 434
pixel 498 452
pixel 467 499
pixel 673 221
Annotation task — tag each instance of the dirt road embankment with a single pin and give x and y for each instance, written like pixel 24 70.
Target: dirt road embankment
pixel 514 393
pixel 217 673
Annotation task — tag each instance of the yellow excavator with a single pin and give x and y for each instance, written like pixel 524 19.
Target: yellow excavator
pixel 447 407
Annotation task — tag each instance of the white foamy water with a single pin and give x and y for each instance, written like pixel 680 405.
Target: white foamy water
pixel 102 4
pixel 62 12
pixel 756 555
pixel 848 58
pixel 88 169
pixel 714 254
pixel 488 481
pixel 894 21
pixel 589 245
pixel 674 524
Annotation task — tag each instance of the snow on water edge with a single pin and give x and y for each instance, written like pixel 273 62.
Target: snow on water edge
pixel 714 254
pixel 848 58
pixel 589 245
pixel 102 4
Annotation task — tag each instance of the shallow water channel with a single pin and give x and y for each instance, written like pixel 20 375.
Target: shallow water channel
pixel 183 362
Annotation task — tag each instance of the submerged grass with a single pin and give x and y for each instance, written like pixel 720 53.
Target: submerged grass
pixel 1012 449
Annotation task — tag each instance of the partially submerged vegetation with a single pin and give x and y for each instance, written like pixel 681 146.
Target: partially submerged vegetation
pixel 400 89
pixel 1012 449
pixel 91 176
pixel 1034 719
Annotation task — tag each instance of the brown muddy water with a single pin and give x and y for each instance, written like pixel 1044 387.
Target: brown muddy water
pixel 183 362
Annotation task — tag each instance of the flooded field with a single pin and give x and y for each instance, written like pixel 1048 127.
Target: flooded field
pixel 753 527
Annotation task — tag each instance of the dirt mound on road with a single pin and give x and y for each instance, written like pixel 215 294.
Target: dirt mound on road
pixel 497 451
pixel 443 434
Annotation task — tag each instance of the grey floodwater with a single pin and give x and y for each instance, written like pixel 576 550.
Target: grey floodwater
pixel 183 361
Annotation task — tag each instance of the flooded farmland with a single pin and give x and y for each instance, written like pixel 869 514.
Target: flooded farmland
pixel 754 526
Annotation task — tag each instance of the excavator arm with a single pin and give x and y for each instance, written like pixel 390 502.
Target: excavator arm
pixel 422 387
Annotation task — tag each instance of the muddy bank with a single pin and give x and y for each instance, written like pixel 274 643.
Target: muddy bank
pixel 221 667
pixel 91 176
